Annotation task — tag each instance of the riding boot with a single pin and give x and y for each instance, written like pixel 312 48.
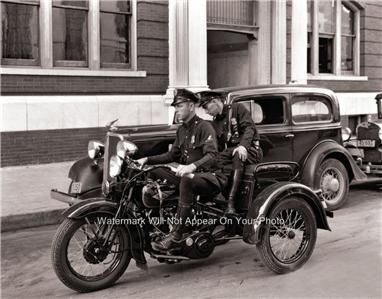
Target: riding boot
pixel 232 194
pixel 173 238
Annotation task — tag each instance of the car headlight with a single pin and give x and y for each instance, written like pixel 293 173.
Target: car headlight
pixel 96 149
pixel 346 134
pixel 115 166
pixel 126 148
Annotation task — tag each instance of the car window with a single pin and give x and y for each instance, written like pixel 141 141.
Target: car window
pixel 310 109
pixel 267 110
pixel 254 109
pixel 272 108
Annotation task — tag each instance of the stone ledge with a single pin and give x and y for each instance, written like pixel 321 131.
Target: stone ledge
pixel 15 222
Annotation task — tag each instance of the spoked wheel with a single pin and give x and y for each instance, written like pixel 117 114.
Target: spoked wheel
pixel 89 254
pixel 334 183
pixel 289 236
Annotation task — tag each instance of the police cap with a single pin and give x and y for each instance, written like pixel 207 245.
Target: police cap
pixel 184 95
pixel 207 96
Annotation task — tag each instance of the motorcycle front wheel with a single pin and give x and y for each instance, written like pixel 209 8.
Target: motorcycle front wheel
pixel 90 254
pixel 289 236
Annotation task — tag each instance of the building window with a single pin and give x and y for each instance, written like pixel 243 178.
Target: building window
pixel 347 39
pixel 79 34
pixel 115 33
pixel 333 38
pixel 326 32
pixel 20 32
pixel 70 33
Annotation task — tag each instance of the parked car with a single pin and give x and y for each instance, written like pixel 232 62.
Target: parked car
pixel 296 123
pixel 366 147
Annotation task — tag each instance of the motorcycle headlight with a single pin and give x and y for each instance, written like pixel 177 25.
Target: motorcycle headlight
pixel 126 148
pixel 346 134
pixel 115 166
pixel 96 149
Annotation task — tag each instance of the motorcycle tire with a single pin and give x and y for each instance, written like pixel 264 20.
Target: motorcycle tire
pixel 291 225
pixel 65 261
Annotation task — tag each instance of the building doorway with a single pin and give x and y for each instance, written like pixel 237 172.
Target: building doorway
pixel 227 59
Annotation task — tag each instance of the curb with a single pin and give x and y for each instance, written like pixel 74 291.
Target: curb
pixel 15 222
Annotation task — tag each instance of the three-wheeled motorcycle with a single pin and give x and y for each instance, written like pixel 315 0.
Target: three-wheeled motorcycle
pixel 104 228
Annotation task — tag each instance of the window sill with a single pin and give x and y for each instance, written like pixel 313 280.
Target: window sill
pixel 329 77
pixel 4 70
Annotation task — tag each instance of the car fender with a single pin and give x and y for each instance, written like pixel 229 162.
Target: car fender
pixel 261 206
pixel 353 150
pixel 322 151
pixel 88 173
pixel 92 206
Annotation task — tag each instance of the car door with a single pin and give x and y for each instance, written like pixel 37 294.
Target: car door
pixel 270 114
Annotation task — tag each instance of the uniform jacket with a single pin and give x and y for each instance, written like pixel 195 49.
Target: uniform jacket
pixel 246 127
pixel 195 142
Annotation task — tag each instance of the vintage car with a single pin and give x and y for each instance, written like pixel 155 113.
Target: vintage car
pixel 296 123
pixel 366 147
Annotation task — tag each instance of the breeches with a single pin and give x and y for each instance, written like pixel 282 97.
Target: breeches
pixel 204 184
pixel 228 163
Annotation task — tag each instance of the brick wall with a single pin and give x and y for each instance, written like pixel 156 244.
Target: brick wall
pixel 46 146
pixel 152 50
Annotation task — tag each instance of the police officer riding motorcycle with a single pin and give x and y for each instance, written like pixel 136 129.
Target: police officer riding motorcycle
pixel 185 216
pixel 195 149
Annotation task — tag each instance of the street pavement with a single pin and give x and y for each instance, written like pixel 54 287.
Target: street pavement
pixel 25 194
pixel 346 263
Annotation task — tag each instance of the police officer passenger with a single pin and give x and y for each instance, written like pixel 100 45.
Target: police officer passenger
pixel 237 139
pixel 194 148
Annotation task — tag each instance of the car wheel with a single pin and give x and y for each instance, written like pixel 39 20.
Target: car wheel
pixel 334 182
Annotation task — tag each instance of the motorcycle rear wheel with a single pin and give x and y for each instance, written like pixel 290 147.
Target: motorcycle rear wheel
pixel 81 261
pixel 289 236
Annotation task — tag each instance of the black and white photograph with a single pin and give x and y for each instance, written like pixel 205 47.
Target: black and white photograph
pixel 191 149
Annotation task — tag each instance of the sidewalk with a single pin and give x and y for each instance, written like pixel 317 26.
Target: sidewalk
pixel 25 194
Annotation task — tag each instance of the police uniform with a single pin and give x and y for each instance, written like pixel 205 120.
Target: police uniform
pixel 234 127
pixel 225 131
pixel 248 136
pixel 195 143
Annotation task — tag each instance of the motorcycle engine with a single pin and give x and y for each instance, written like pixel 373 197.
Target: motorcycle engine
pixel 199 246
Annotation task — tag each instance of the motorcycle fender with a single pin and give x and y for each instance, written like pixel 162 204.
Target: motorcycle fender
pixel 328 149
pixel 90 206
pixel 97 205
pixel 262 205
pixel 88 173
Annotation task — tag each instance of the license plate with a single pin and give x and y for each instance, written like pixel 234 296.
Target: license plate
pixel 366 143
pixel 76 187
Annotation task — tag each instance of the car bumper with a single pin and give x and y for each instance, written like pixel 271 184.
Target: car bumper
pixel 63 197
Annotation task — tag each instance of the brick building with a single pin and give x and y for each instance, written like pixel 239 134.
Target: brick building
pixel 68 67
